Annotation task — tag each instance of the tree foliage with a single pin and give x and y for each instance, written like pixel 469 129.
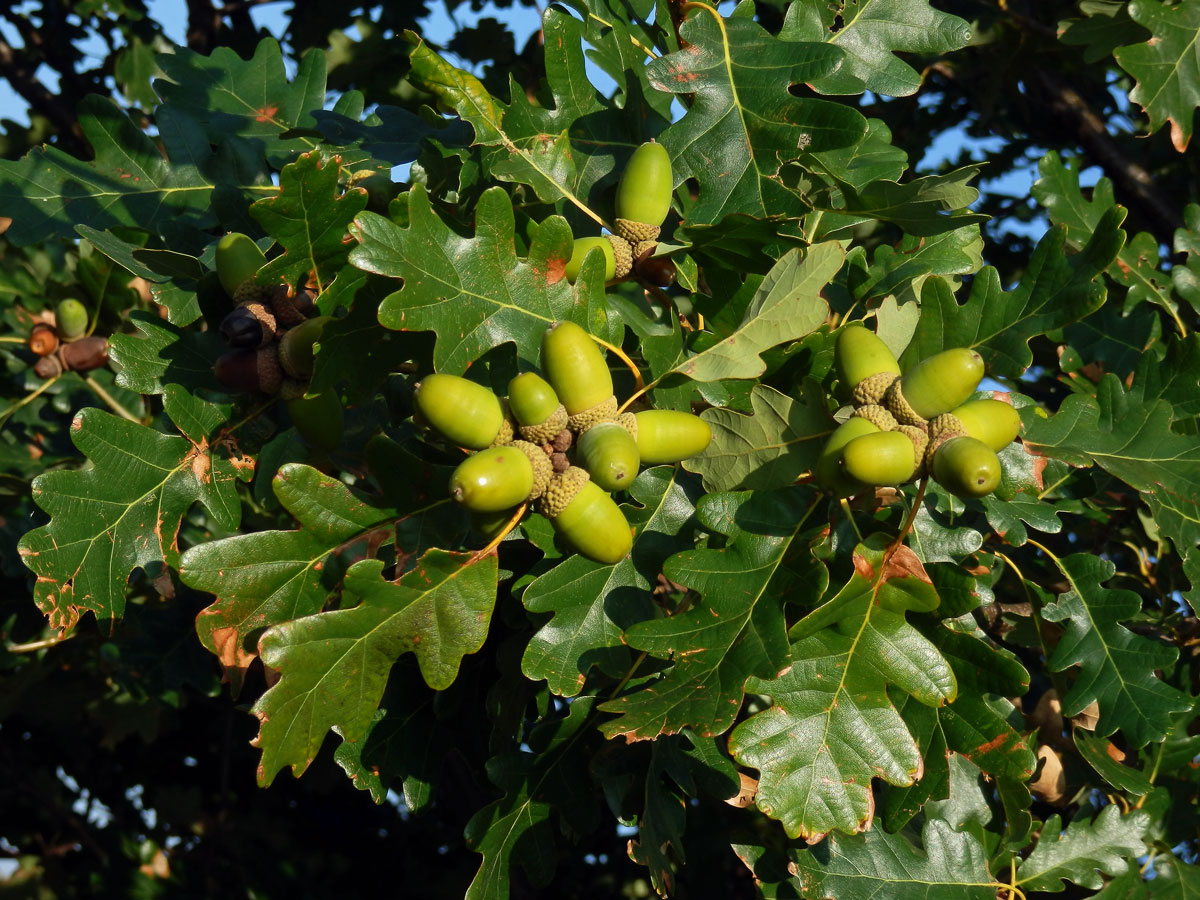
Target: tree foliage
pixel 778 692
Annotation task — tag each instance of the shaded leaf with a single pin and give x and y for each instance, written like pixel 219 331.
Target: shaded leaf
pixel 125 510
pixel 333 666
pixel 164 354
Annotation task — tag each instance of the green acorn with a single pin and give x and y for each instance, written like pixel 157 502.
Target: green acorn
pixel 828 471
pixel 318 419
pixel 935 385
pixel 994 422
pixel 858 354
pixel 610 454
pixel 576 370
pixel 237 259
pixel 296 346
pixel 885 458
pixel 534 405
pixel 71 318
pixel 464 412
pixel 582 247
pixel 644 194
pixel 586 516
pixel 670 436
pixel 966 467
pixel 492 480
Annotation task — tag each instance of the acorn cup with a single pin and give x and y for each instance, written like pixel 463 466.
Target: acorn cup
pixel 644 193
pixel 587 517
pixel 463 412
pixel 576 370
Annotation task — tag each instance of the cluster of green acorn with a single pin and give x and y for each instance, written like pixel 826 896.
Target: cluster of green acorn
pixel 558 441
pixel 920 422
pixel 643 201
pixel 271 332
pixel 63 345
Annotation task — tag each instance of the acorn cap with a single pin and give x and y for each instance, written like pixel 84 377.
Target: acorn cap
pixel 644 248
pixel 629 422
pixel 561 490
pixel 920 439
pixel 293 388
pixel 944 425
pixel 870 391
pixel 543 470
pixel 878 416
pixel 291 307
pixel 604 411
pixel 507 432
pixel 636 232
pixel 547 431
pixel 899 407
pixel 623 253
pixel 249 292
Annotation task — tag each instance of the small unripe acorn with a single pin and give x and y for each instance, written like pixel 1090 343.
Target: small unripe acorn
pixel 939 383
pixel 884 458
pixel 319 419
pixel 860 353
pixel 43 339
pixel 465 413
pixel 966 467
pixel 237 259
pixel 610 455
pixel 296 346
pixel 828 471
pixel 575 367
pixel 994 422
pixel 534 405
pixel 670 436
pixel 644 194
pixel 587 517
pixel 582 247
pixel 492 480
pixel 71 317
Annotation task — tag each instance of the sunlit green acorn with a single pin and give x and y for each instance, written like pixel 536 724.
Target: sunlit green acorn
pixel 586 516
pixel 237 259
pixel 610 455
pixel 539 415
pixel 580 250
pixel 644 194
pixel 319 419
pixel 858 354
pixel 966 467
pixel 670 436
pixel 465 413
pixel 885 458
pixel 296 346
pixel 828 471
pixel 575 367
pixel 935 385
pixel 492 480
pixel 71 317
pixel 994 422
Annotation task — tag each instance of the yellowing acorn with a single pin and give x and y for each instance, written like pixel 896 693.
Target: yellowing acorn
pixel 576 370
pixel 858 354
pixel 670 436
pixel 966 467
pixel 994 422
pixel 644 193
pixel 587 517
pixel 237 259
pixel 935 385
pixel 465 413
pixel 828 471
pixel 610 454
pixel 880 459
pixel 492 480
